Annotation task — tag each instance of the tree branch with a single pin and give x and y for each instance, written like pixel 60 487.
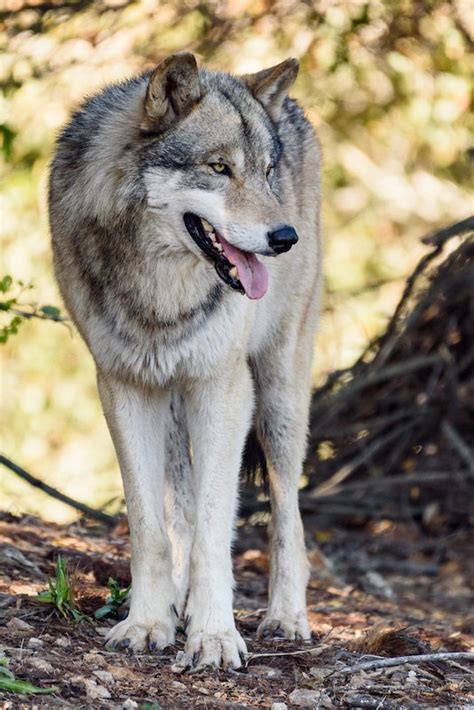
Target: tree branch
pixel 404 660
pixel 37 483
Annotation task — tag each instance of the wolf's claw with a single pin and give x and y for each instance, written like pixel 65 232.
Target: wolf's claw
pixel 139 637
pixel 210 651
pixel 291 627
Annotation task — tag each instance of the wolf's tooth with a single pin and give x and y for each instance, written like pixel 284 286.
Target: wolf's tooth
pixel 233 272
pixel 208 227
pixel 219 247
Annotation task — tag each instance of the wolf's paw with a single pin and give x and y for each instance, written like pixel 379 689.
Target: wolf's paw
pixel 137 637
pixel 212 650
pixel 288 626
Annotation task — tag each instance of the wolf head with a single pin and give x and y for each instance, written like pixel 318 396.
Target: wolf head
pixel 213 165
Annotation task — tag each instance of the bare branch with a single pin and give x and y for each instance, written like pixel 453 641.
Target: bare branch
pixel 89 512
pixel 406 660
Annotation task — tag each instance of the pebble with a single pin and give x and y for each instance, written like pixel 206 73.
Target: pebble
pixel 309 699
pixel 267 672
pixel 41 665
pixel 129 704
pixel 95 691
pixel 62 642
pixel 178 686
pixel 16 624
pixel 35 643
pixel 279 706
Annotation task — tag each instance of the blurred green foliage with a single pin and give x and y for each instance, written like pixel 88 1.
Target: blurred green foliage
pixel 386 84
pixel 16 312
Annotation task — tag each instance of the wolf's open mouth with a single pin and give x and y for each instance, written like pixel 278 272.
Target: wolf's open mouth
pixel 239 269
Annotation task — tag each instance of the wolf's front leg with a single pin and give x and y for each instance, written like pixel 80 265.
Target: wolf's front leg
pixel 137 420
pixel 219 414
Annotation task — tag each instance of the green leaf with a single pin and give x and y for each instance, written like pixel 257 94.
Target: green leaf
pixel 45 597
pixel 13 685
pixel 51 311
pixel 6 672
pixel 6 305
pixel 103 611
pixel 6 140
pixel 5 283
pixel 23 686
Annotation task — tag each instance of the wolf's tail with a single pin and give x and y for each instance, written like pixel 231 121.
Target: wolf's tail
pixel 254 462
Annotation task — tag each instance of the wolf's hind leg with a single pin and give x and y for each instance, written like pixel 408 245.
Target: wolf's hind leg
pixel 282 413
pixel 179 497
pixel 137 420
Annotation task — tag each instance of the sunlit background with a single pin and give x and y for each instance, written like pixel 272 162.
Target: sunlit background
pixel 386 84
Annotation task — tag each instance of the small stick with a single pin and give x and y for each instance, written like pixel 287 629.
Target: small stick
pixel 403 660
pixel 252 656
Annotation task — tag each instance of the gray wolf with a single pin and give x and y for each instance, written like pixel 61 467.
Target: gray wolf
pixel 184 209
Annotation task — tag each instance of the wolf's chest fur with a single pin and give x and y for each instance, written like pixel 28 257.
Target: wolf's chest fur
pixel 161 323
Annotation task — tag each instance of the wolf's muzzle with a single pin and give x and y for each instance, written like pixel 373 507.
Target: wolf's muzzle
pixel 282 239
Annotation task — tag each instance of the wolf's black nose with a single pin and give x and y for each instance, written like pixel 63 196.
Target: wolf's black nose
pixel 282 239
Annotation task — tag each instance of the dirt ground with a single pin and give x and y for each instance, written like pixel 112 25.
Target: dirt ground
pixel 382 589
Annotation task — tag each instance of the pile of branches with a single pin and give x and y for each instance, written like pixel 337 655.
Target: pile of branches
pixel 393 435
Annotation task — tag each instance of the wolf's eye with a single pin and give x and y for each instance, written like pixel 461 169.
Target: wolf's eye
pixel 220 168
pixel 269 170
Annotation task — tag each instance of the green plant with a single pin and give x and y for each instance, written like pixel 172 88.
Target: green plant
pixel 21 311
pixel 11 684
pixel 61 593
pixel 113 601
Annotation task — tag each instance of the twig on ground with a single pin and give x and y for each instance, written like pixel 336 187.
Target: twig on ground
pixel 304 651
pixel 37 483
pixel 404 660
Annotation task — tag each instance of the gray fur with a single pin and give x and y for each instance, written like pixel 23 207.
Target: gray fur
pixel 161 324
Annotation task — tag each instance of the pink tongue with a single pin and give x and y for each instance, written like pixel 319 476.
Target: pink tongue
pixel 253 275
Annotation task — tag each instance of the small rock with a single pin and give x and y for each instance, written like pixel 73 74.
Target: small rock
pixel 105 676
pixel 308 698
pixel 95 691
pixel 41 665
pixel 279 706
pixel 266 672
pixel 62 642
pixel 129 704
pixel 16 624
pixel 35 643
pixel 178 686
pixel 320 673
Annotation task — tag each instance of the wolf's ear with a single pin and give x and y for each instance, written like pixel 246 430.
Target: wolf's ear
pixel 173 90
pixel 270 86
